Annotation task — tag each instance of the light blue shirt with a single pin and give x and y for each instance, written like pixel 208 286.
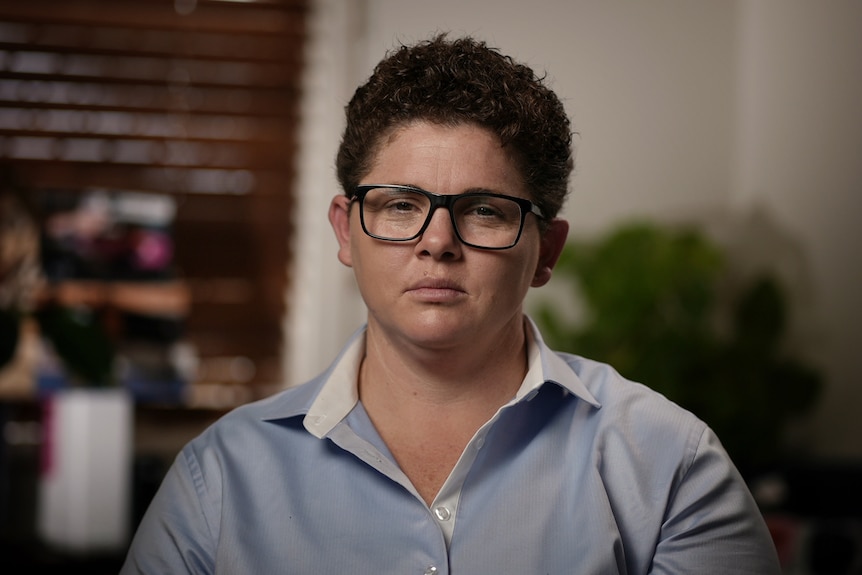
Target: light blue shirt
pixel 582 472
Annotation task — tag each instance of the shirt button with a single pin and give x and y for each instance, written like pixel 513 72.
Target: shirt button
pixel 431 571
pixel 443 514
pixel 480 441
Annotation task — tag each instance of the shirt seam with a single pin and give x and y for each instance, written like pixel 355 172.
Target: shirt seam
pixel 196 474
pixel 688 464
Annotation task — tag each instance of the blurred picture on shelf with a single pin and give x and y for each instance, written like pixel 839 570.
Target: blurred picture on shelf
pixel 92 297
pixel 106 235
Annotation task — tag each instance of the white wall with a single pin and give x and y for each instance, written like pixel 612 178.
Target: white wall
pixel 324 304
pixel 724 109
pixel 799 156
pixel 648 85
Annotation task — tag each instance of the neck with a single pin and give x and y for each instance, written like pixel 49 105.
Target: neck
pixel 426 405
pixel 397 377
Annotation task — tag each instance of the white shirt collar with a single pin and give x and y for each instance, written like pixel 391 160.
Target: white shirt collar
pixel 339 393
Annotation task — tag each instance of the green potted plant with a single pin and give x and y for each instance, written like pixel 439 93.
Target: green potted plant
pixel 658 308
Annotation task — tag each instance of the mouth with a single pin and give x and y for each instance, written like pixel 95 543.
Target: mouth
pixel 436 290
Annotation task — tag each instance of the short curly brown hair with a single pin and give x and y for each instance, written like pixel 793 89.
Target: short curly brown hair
pixel 452 82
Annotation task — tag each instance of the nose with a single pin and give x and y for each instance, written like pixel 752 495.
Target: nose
pixel 439 239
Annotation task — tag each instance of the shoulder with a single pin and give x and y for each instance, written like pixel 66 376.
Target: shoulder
pixel 623 397
pixel 642 443
pixel 669 480
pixel 633 419
pixel 252 426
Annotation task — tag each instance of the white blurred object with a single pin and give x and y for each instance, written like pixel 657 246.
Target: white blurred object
pixel 85 484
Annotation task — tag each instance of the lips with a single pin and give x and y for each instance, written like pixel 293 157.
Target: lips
pixel 436 289
pixel 432 283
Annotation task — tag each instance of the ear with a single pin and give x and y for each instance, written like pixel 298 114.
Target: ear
pixel 550 247
pixel 339 219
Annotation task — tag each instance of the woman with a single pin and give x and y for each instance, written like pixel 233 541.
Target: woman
pixel 447 437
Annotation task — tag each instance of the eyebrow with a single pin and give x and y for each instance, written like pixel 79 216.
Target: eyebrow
pixel 473 190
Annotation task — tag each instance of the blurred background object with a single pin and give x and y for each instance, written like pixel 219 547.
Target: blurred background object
pixel 147 149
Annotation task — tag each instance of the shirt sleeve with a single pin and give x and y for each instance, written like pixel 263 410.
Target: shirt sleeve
pixel 179 529
pixel 712 524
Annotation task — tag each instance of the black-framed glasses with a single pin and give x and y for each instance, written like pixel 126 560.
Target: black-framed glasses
pixel 480 219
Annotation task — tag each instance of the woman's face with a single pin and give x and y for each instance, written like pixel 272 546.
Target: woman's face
pixel 435 292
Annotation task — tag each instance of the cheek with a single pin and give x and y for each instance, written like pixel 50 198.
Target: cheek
pixel 521 277
pixel 509 280
pixel 375 272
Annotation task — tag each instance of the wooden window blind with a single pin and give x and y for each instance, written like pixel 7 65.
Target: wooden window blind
pixel 195 99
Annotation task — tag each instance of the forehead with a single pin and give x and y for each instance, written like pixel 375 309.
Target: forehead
pixel 445 159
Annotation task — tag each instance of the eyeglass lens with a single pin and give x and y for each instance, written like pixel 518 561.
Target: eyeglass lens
pixel 481 220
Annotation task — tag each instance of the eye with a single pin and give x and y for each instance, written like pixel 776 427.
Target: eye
pixel 402 205
pixel 486 210
pixel 394 202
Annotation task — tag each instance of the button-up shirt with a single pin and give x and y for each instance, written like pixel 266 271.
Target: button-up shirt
pixel 582 472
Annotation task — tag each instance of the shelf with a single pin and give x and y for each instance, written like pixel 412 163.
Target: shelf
pixel 162 298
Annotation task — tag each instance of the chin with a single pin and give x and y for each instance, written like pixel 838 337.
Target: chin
pixel 438 332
